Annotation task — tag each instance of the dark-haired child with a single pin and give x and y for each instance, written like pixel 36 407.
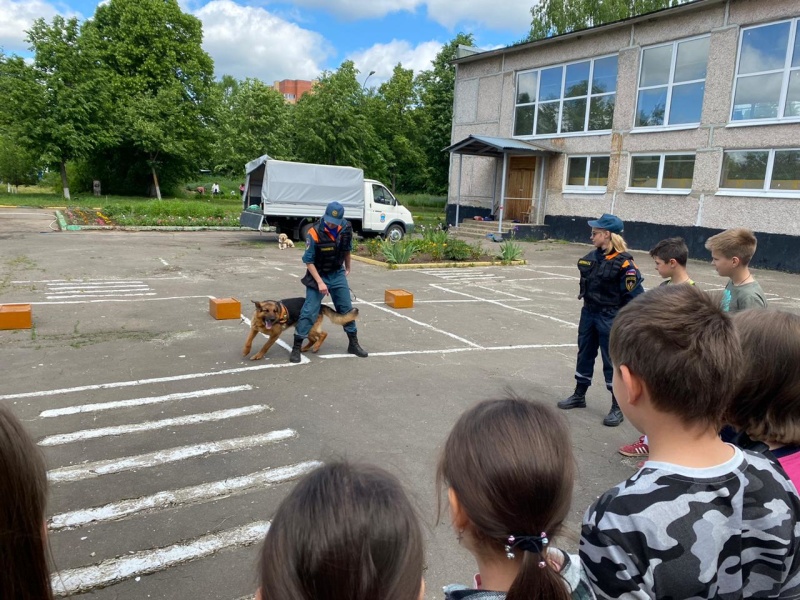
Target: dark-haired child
pixel 670 256
pixel 766 405
pixel 509 479
pixel 702 519
pixel 345 532
pixel 23 541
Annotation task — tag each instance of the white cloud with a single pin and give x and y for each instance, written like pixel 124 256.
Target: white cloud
pixel 251 42
pixel 17 16
pixel 382 59
pixel 361 9
pixel 512 15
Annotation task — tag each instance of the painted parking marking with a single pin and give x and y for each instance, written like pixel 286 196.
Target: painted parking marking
pixel 108 572
pixel 214 490
pixel 516 308
pixel 100 406
pixel 456 350
pixel 99 432
pixel 425 325
pixel 161 457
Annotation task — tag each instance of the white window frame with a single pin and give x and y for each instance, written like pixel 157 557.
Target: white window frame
pixel 589 96
pixel 670 86
pixel 787 73
pixel 765 191
pixel 585 188
pixel 658 189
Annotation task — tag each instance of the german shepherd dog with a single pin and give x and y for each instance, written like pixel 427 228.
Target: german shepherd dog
pixel 272 317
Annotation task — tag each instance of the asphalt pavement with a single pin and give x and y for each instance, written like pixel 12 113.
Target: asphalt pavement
pixel 168 452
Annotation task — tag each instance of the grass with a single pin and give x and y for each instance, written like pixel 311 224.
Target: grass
pixel 191 210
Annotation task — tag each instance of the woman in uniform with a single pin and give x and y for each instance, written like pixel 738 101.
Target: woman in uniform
pixel 609 280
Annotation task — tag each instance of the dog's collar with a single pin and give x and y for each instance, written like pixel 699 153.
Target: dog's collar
pixel 284 316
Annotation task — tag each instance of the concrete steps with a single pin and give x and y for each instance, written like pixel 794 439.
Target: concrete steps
pixel 472 229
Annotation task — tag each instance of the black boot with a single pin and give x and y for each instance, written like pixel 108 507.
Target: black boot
pixel 577 400
pixel 353 347
pixel 614 416
pixel 295 355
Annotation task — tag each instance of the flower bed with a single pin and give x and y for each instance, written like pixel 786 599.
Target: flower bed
pixel 434 245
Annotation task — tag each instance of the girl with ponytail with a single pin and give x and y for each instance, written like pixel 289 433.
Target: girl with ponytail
pixel 508 476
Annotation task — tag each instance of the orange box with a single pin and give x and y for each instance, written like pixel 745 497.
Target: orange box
pixel 225 308
pixel 399 298
pixel 15 316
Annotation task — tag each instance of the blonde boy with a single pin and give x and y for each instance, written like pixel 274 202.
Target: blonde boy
pixel 702 519
pixel 731 252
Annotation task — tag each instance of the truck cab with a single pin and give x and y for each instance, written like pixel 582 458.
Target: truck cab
pixel 384 213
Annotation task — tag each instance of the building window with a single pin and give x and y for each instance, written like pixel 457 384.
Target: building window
pixel 662 172
pixel 587 173
pixel 761 170
pixel 571 98
pixel 672 80
pixel 768 73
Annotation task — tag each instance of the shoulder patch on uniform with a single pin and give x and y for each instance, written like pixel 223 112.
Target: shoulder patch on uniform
pixel 630 282
pixel 584 262
pixel 630 272
pixel 308 243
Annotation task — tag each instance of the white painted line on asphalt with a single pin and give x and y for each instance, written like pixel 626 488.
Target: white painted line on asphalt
pixel 84 408
pixel 527 312
pixel 99 295
pixel 90 434
pixel 494 291
pixel 421 324
pixel 163 262
pixel 277 268
pixel 110 284
pixel 455 350
pixel 161 457
pixel 108 572
pixel 118 300
pixel 214 490
pixel 560 275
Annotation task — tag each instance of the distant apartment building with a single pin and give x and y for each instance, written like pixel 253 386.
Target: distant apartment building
pixel 293 89
pixel 678 121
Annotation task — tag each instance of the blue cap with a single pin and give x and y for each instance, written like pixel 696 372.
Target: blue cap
pixel 334 214
pixel 609 222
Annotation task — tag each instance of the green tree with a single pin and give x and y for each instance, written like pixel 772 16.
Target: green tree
pixel 436 111
pixel 63 118
pixel 554 17
pixel 162 81
pixel 253 119
pixel 331 127
pixel 393 113
pixel 18 166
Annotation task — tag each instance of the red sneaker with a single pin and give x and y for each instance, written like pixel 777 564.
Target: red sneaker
pixel 638 449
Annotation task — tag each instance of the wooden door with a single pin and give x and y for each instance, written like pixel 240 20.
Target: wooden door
pixel 519 188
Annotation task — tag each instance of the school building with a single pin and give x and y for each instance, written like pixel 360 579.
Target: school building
pixel 685 122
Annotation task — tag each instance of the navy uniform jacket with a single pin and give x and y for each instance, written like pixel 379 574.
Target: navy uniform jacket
pixel 609 280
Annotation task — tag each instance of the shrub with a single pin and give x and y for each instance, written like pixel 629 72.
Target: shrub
pixel 400 252
pixel 457 250
pixel 510 251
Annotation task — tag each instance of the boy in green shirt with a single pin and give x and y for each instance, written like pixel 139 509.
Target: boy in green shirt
pixel 731 252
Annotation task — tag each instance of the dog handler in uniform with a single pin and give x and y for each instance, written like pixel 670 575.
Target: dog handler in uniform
pixel 609 280
pixel 327 258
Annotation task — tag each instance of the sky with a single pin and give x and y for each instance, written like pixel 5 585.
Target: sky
pixel 298 39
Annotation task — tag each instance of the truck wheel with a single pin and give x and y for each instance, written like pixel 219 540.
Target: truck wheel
pixel 394 232
pixel 304 231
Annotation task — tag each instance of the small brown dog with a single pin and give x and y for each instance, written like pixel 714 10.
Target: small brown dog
pixel 284 242
pixel 273 317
